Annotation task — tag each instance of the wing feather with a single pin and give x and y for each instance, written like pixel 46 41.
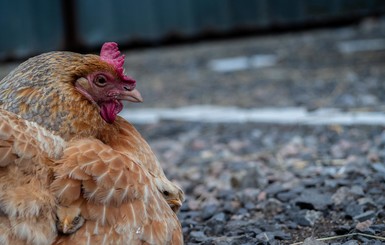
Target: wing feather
pixel 121 197
pixel 27 159
pixel 122 201
pixel 6 154
pixel 132 144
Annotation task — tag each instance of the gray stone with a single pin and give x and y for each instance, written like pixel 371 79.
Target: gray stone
pixel 365 216
pixel 280 235
pixel 208 211
pixel 353 209
pixel 220 217
pixel 312 241
pixel 352 242
pixel 265 236
pixel 286 196
pixel 198 236
pixel 311 199
pixel 379 167
pixel 313 216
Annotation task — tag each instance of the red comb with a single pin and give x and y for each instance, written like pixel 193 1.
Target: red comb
pixel 110 53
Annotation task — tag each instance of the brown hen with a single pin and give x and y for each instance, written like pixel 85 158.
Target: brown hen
pixel 107 169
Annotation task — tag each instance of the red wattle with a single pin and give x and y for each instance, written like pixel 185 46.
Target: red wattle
pixel 110 109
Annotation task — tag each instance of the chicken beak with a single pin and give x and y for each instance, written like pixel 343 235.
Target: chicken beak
pixel 132 96
pixel 175 204
pixel 66 225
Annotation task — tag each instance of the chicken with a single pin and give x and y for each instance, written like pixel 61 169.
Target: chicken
pixel 75 99
pixel 69 218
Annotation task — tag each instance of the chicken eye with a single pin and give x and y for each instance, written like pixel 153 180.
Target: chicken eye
pixel 76 220
pixel 100 81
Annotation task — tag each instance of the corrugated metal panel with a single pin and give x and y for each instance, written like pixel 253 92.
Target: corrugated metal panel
pixel 132 20
pixel 249 13
pixel 287 12
pixel 29 27
pixel 152 20
pixel 119 20
pixel 174 17
pixel 318 9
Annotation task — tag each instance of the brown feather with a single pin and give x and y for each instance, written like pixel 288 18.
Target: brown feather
pixel 6 153
pixel 140 210
pixel 66 189
pixel 25 173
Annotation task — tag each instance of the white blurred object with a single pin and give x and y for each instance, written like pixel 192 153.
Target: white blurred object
pixel 243 62
pixel 354 46
pixel 218 114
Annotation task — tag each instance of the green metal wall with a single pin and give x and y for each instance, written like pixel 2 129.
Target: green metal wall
pixel 30 27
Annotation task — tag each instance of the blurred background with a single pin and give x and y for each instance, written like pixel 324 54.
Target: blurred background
pixel 269 113
pixel 263 50
pixel 30 28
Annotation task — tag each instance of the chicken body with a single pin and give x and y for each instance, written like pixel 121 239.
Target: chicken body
pixel 122 204
pixel 106 165
pixel 27 207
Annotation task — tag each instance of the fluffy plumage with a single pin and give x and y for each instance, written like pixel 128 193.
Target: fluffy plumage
pixel 90 157
pixel 119 196
pixel 27 206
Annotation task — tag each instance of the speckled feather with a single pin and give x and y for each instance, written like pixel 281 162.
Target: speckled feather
pixel 42 90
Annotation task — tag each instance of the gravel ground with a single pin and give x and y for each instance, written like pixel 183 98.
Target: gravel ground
pixel 269 184
pixel 272 184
